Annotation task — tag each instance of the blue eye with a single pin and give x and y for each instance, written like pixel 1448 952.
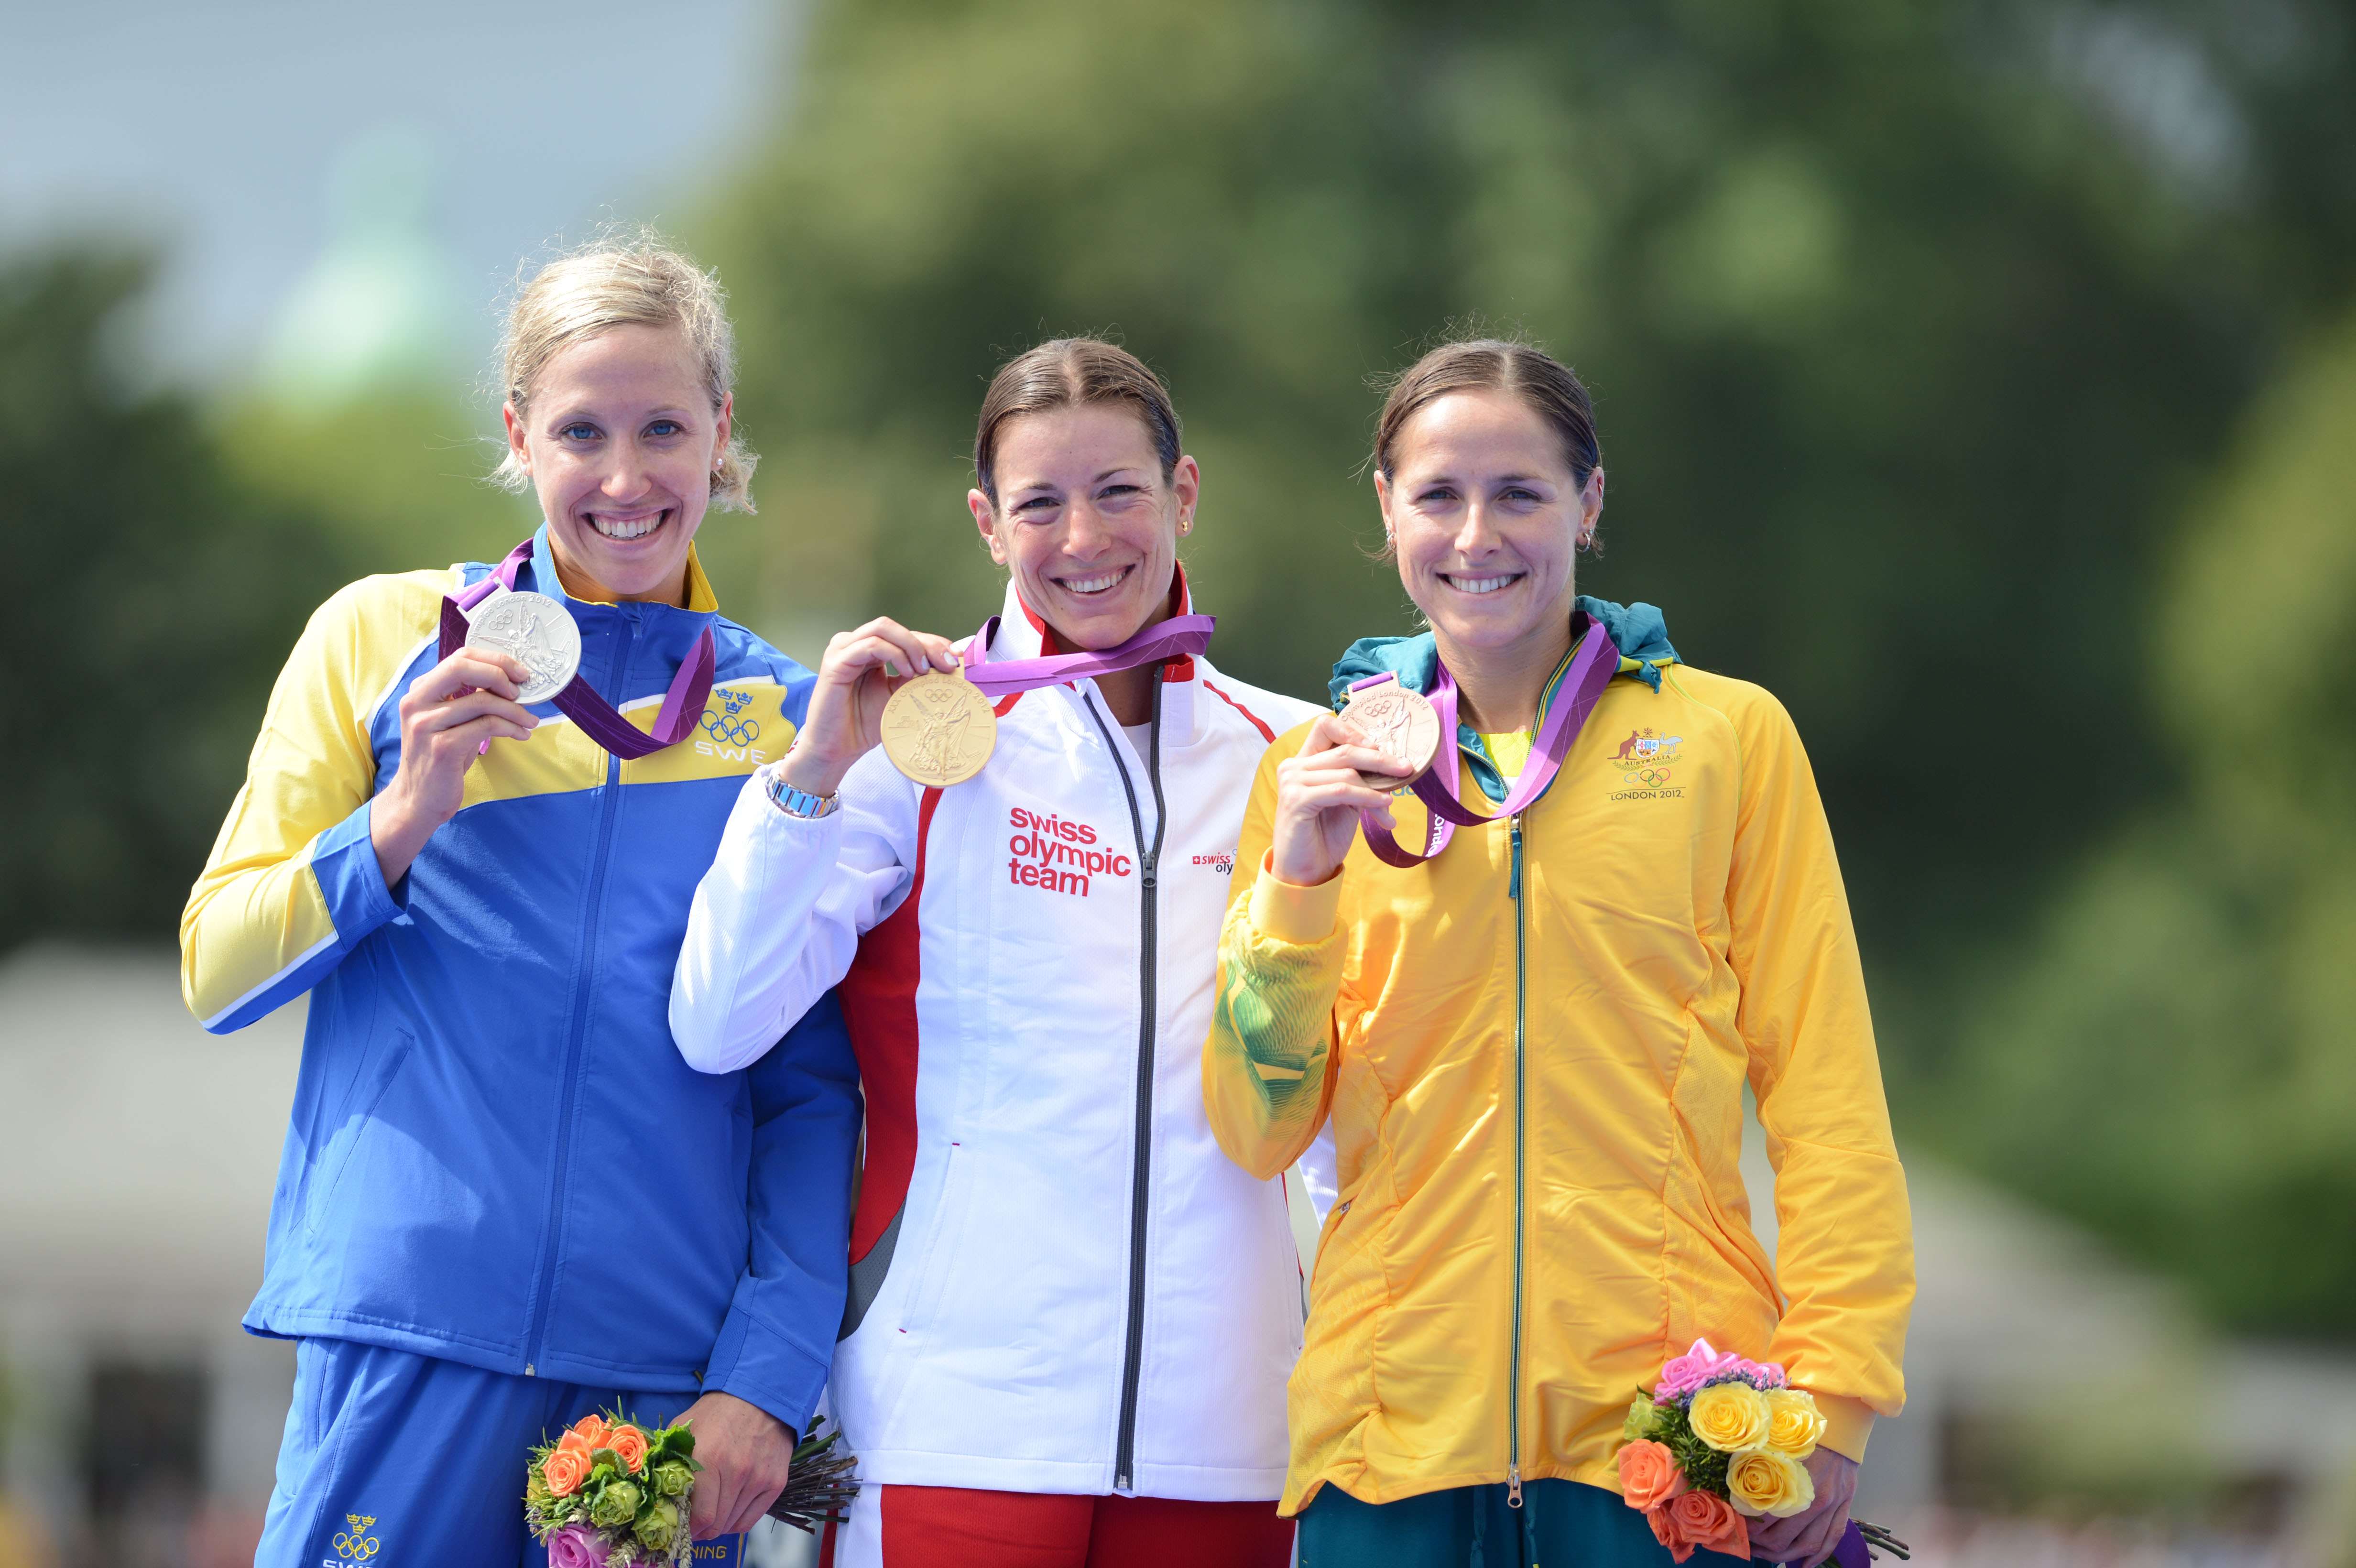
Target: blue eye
pixel 666 427
pixel 579 430
pixel 1036 503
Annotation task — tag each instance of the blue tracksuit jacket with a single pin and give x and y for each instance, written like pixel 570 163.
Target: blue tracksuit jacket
pixel 496 1156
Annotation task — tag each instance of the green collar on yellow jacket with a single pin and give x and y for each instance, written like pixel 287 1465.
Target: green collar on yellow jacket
pixel 1639 631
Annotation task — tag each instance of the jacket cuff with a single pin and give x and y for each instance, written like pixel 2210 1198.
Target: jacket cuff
pixel 764 1367
pixel 351 880
pixel 1848 1423
pixel 1301 916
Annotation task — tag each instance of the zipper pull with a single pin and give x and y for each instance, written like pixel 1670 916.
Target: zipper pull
pixel 1513 882
pixel 1512 1486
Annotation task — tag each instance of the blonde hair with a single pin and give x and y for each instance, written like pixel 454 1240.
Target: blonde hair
pixel 636 278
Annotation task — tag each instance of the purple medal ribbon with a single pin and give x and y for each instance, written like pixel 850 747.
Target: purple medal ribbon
pixel 682 706
pixel 1181 636
pixel 1851 1550
pixel 1592 669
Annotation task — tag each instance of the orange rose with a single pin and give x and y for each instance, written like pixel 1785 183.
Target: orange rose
pixel 1649 1474
pixel 630 1443
pixel 566 1471
pixel 1707 1520
pixel 574 1443
pixel 593 1430
pixel 1665 1532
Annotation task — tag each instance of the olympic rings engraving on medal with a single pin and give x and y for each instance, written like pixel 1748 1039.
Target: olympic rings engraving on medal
pixel 535 631
pixel 1400 723
pixel 939 730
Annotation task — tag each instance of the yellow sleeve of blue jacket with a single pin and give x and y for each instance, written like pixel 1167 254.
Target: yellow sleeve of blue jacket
pixel 293 882
pixel 1845 1247
pixel 1268 1065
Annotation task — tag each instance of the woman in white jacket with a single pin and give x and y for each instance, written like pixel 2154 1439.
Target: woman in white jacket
pixel 1071 1317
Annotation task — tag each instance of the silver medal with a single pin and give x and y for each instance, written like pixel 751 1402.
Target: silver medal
pixel 534 630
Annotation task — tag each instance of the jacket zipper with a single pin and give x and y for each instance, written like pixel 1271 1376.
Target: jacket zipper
pixel 555 1230
pixel 1124 1462
pixel 1521 982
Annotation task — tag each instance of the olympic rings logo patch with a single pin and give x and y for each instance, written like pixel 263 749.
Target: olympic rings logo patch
pixel 724 725
pixel 355 1545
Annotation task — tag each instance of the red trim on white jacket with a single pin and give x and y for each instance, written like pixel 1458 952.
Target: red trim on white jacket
pixel 992 936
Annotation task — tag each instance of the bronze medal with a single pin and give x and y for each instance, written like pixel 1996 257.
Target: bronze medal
pixel 1401 724
pixel 939 730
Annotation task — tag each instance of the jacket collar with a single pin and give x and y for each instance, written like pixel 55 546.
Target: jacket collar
pixel 1638 630
pixel 1022 634
pixel 700 598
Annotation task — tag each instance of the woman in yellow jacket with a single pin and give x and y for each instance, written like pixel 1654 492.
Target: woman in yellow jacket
pixel 1532 1045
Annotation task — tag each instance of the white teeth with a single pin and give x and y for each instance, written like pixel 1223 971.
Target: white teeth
pixel 1091 584
pixel 634 530
pixel 1477 584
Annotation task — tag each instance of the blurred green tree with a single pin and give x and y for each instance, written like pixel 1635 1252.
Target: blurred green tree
pixel 2171 1057
pixel 1904 347
pixel 1912 327
pixel 156 599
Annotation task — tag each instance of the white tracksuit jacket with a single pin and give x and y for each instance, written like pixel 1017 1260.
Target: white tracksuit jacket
pixel 1058 1282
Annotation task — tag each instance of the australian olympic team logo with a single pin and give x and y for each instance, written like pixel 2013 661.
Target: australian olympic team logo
pixel 1647 763
pixel 720 722
pixel 353 1545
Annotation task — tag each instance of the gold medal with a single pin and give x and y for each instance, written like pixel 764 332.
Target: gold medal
pixel 939 730
pixel 1401 724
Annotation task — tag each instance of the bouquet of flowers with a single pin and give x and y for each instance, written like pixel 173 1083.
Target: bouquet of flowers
pixel 609 1494
pixel 1721 1440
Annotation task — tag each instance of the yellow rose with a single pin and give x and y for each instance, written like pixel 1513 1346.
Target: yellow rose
pixel 1795 1424
pixel 1729 1417
pixel 1764 1481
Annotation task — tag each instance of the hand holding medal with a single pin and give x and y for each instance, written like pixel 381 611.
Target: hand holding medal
pixel 1340 773
pixel 449 717
pixel 857 703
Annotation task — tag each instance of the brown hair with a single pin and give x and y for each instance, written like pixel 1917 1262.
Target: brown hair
pixel 1547 385
pixel 632 277
pixel 1068 370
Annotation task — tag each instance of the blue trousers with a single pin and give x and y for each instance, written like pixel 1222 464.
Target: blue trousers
pixel 1560 1524
pixel 403 1461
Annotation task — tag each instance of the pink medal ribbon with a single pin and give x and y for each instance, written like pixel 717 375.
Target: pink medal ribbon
pixel 682 706
pixel 1592 669
pixel 1181 636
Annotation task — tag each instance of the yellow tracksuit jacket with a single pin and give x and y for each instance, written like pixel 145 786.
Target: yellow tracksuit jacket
pixel 1532 1049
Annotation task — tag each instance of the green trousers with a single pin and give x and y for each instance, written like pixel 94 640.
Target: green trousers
pixel 1560 1524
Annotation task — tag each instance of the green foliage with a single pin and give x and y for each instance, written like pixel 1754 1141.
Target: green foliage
pixel 1902 357
pixel 153 599
pixel 2171 1060
pixel 1911 330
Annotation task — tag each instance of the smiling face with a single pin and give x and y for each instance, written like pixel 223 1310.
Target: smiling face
pixel 620 441
pixel 1085 520
pixel 1487 520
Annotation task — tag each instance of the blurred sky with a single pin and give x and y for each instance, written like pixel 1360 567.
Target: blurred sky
pixel 234 132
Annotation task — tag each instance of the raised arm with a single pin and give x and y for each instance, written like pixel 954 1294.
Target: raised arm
pixel 778 917
pixel 1844 1251
pixel 776 920
pixel 1267 1078
pixel 294 880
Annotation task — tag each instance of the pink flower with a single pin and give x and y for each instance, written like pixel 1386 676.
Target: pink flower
pixel 576 1546
pixel 1698 1366
pixel 1762 1374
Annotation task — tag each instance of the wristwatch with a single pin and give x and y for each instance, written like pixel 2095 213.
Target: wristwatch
pixel 797 802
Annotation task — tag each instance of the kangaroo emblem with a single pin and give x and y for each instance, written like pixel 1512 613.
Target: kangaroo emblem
pixel 1627 747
